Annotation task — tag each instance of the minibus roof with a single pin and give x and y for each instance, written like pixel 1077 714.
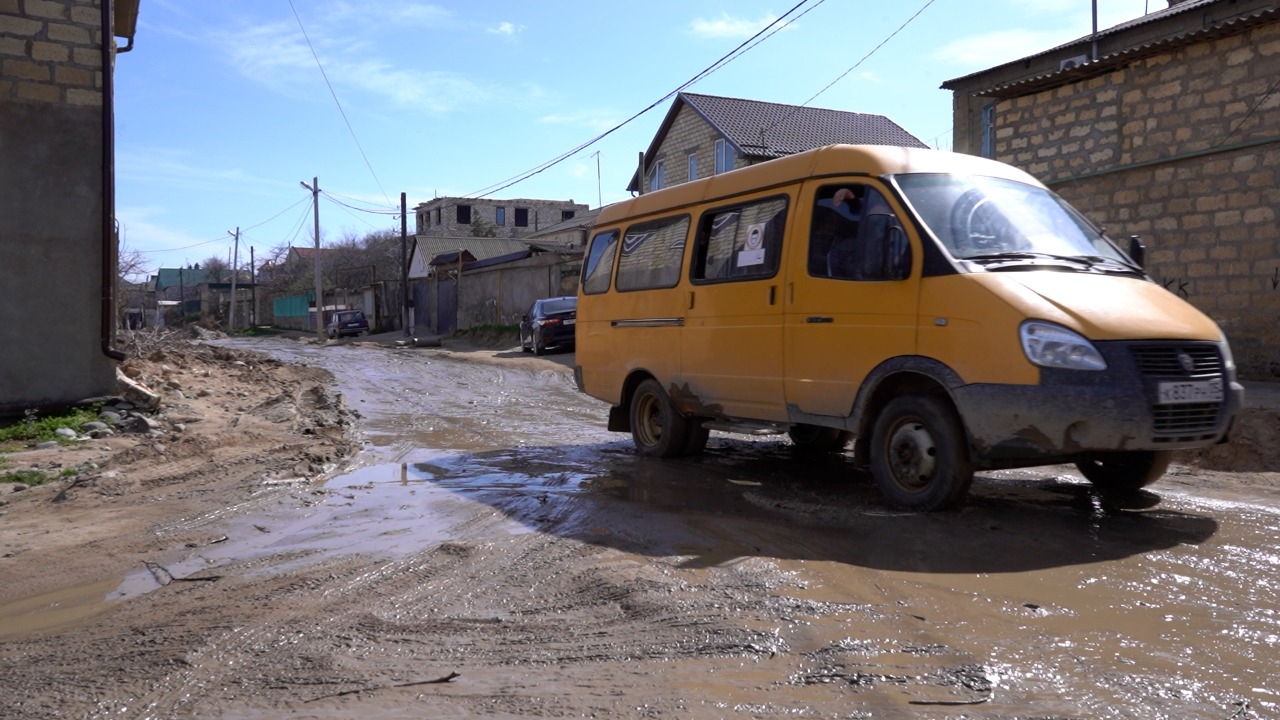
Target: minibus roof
pixel 831 160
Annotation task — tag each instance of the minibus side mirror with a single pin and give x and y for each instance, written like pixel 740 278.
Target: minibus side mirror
pixel 897 255
pixel 1137 251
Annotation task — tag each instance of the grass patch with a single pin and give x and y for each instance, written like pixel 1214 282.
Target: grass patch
pixel 34 429
pixel 26 477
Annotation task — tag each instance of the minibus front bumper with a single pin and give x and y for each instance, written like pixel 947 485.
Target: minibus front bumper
pixel 1072 412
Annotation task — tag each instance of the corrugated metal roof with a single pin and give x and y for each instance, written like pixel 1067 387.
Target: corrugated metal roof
pixel 1109 61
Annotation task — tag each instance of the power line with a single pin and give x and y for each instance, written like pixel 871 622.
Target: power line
pixel 338 103
pixel 851 69
pixel 724 60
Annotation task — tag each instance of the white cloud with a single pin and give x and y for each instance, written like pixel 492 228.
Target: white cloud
pixel 279 57
pixel 507 29
pixel 727 26
pixel 994 48
pixel 593 120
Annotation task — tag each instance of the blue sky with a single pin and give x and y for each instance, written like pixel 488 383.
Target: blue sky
pixel 222 109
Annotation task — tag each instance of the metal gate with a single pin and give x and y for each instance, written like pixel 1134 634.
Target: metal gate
pixel 446 306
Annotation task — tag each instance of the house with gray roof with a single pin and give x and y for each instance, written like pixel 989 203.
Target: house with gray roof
pixel 704 135
pixel 1163 126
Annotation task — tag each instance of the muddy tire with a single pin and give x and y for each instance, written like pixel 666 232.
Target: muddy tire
pixel 658 429
pixel 814 438
pixel 919 454
pixel 1125 471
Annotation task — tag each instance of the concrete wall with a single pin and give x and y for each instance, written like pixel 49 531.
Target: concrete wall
pixel 439 217
pixel 499 295
pixel 1183 149
pixel 51 205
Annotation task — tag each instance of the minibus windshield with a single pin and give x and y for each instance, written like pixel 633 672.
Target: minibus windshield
pixel 998 222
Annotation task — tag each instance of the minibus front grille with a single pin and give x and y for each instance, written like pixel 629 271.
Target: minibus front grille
pixel 1186 423
pixel 1176 362
pixel 1166 361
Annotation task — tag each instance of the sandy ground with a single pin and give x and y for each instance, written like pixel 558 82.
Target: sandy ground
pixel 475 545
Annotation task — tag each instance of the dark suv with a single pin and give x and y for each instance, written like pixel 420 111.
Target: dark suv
pixel 347 322
pixel 549 322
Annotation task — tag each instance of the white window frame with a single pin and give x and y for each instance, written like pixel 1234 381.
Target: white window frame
pixel 693 166
pixel 724 156
pixel 658 175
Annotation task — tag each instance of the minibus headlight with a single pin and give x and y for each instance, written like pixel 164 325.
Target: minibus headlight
pixel 1054 346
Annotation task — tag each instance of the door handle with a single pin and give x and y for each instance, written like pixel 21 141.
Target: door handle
pixel 773 294
pixel 690 299
pixel 815 319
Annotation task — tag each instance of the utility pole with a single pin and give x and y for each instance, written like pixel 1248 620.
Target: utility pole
pixel 314 187
pixel 253 291
pixel 404 263
pixel 235 260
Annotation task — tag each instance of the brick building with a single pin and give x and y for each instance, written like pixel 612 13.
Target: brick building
pixel 705 135
pixel 463 217
pixel 1166 127
pixel 57 226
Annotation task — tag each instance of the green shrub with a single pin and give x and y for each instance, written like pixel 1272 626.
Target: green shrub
pixel 26 477
pixel 35 429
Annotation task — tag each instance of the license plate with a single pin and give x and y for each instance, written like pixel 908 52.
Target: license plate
pixel 1180 393
pixel 570 321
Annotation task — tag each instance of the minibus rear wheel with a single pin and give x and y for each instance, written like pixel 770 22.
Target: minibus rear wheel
pixel 657 427
pixel 1125 471
pixel 919 456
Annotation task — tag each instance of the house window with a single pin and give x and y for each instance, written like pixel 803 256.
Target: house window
pixel 424 220
pixel 500 215
pixel 464 214
pixel 437 216
pixel 566 215
pixel 657 176
pixel 989 130
pixel 724 156
pixel 522 217
pixel 693 166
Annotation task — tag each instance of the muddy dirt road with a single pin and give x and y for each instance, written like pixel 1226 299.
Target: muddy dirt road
pixel 492 528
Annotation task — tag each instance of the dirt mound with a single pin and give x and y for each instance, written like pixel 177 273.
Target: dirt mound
pixel 230 428
pixel 1254 445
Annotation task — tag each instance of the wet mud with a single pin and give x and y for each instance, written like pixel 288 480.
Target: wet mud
pixel 492 528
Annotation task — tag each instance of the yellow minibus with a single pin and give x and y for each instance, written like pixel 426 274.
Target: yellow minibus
pixel 944 313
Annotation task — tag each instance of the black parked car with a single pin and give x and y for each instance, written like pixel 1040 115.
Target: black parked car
pixel 548 323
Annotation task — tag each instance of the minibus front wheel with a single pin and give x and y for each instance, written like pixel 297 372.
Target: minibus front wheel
pixel 657 427
pixel 1124 471
pixel 919 455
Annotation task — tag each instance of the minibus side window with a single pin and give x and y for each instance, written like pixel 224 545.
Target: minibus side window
pixel 855 235
pixel 740 243
pixel 599 263
pixel 651 254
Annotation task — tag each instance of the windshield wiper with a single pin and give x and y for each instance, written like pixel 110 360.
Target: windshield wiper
pixel 1022 256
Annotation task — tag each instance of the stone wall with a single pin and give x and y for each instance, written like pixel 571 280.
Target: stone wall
pixel 1182 149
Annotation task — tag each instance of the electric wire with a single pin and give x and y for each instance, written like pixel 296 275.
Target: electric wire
pixel 855 66
pixel 341 111
pixel 724 60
